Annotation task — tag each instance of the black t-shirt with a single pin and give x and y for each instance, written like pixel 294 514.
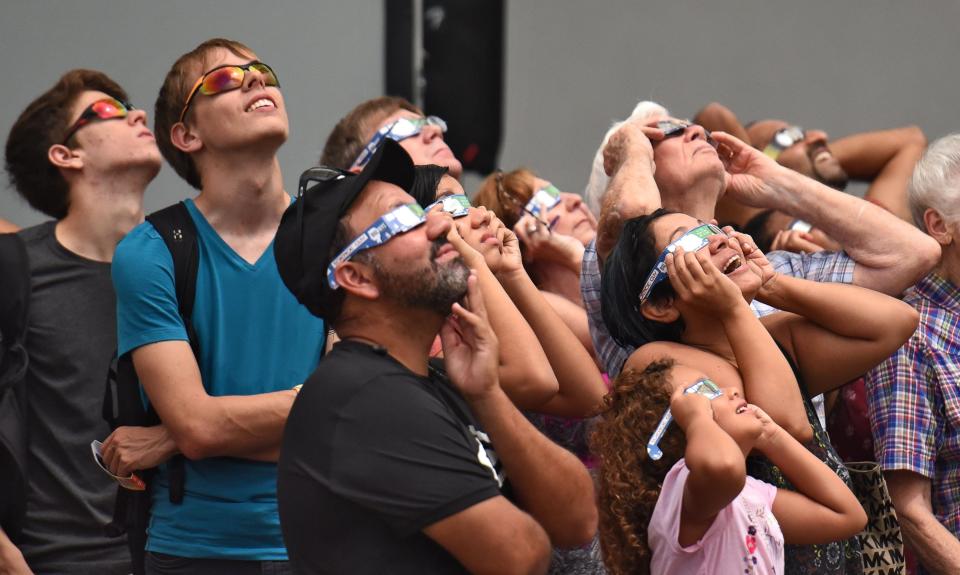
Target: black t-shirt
pixel 373 453
pixel 71 338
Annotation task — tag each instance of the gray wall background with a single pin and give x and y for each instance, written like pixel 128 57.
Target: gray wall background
pixel 571 67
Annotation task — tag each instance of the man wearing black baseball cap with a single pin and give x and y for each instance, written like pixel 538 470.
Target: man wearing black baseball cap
pixel 387 465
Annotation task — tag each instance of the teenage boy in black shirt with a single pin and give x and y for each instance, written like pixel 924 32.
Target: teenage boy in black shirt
pixel 387 466
pixel 83 156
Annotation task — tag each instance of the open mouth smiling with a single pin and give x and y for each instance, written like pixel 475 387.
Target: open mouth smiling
pixel 260 103
pixel 732 264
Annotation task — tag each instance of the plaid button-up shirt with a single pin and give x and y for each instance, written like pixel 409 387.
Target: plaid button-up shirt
pixel 821 267
pixel 913 399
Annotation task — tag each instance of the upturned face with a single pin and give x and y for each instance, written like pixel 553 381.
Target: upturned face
pixel 252 114
pixel 810 156
pixel 685 162
pixel 116 144
pixel 419 268
pixel 570 217
pixel 427 147
pixel 726 255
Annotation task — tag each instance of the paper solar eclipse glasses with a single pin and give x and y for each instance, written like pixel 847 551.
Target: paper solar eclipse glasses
pixel 800 226
pixel 397 131
pixel 675 128
pixel 542 201
pixel 783 139
pixel 693 240
pixel 704 387
pixel 393 223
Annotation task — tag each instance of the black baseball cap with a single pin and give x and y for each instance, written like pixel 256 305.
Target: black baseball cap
pixel 307 229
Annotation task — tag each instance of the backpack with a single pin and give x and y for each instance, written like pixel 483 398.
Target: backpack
pixel 15 287
pixel 122 404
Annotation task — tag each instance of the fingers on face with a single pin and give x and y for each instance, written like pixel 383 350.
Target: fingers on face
pixel 680 275
pixel 474 300
pixel 652 132
pixel 701 267
pixel 736 241
pixel 673 274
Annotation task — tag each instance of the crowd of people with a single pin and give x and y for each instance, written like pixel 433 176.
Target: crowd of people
pixel 382 374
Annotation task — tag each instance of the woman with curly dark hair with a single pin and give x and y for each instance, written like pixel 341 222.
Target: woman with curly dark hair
pixel 677 500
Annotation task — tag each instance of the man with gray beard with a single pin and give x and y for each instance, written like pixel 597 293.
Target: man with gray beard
pixel 388 461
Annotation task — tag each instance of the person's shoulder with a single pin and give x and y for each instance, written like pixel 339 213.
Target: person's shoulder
pixel 758 491
pixel 142 264
pixel 355 365
pixel 657 350
pixel 36 235
pixel 141 247
pixel 142 235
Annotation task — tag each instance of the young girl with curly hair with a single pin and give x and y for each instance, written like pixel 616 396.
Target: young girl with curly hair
pixel 694 509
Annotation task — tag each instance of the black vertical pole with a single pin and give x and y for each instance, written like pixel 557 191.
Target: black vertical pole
pixel 398 46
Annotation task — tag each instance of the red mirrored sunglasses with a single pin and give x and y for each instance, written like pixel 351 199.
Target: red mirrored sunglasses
pixel 105 109
pixel 225 78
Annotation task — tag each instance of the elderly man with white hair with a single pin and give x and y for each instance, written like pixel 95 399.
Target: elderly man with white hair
pixel 652 160
pixel 914 398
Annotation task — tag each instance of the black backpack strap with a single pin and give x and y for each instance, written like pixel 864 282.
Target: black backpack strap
pixel 178 231
pixel 14 305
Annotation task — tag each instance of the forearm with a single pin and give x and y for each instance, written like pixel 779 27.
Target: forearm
pixel 713 457
pixel 891 254
pixel 525 372
pixel 632 192
pixel 937 549
pixel 203 425
pixel 846 310
pixel 812 477
pixel 886 158
pixel 581 388
pixel 238 426
pixel 889 189
pixel 550 482
pixel 717 117
pixel 768 380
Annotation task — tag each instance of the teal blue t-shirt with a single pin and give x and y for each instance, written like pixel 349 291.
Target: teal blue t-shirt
pixel 254 338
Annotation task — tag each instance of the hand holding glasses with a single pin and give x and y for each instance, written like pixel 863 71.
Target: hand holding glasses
pixel 692 241
pixel 131 482
pixel 702 386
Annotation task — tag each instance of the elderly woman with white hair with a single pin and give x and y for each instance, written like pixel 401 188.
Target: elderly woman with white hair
pixel 913 398
pixel 653 160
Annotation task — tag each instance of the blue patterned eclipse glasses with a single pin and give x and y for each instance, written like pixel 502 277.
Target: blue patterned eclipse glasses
pixel 397 131
pixel 544 198
pixel 704 387
pixel 694 240
pixel 393 223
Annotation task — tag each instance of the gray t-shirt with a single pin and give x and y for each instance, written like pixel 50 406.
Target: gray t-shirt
pixel 71 339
